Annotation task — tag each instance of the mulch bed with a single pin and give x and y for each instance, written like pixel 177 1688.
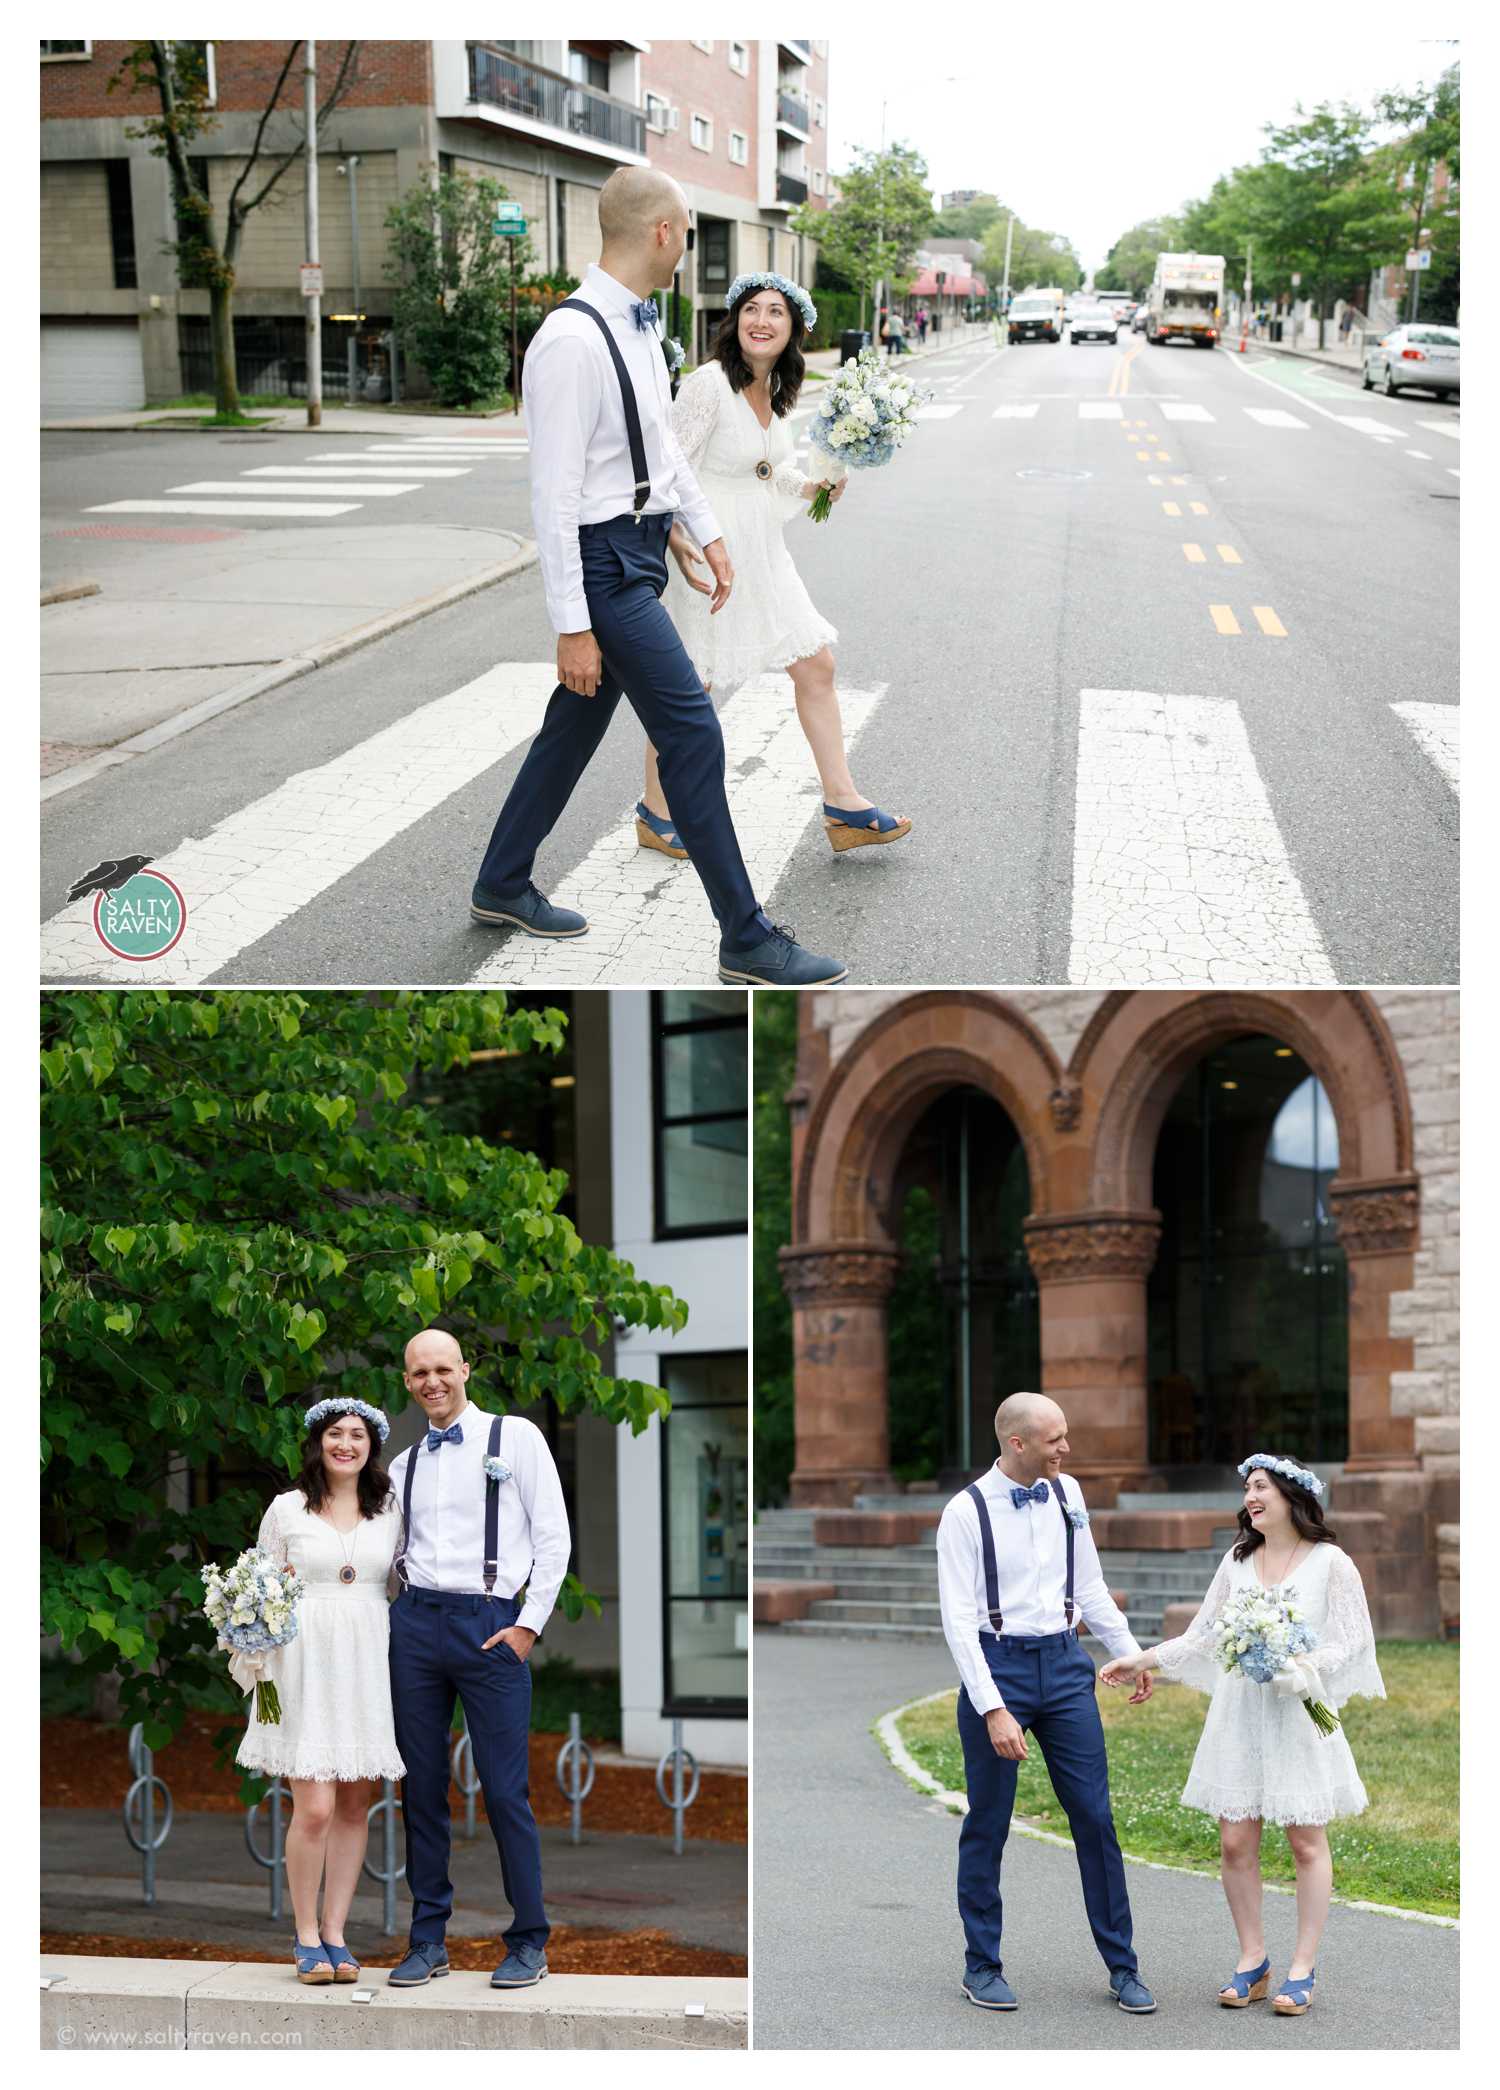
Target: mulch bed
pixel 569 1951
pixel 86 1764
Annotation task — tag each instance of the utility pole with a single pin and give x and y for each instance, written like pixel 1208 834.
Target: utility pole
pixel 1249 288
pixel 1416 274
pixel 880 225
pixel 1010 227
pixel 350 165
pixel 314 303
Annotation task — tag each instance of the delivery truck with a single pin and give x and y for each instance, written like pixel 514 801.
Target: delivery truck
pixel 1186 301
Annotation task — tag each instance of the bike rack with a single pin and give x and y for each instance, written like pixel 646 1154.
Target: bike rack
pixel 275 1863
pixel 575 1771
pixel 141 1799
pixel 465 1777
pixel 677 1759
pixel 387 1807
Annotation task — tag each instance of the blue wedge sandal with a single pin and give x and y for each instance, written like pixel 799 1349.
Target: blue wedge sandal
pixel 852 829
pixel 312 1963
pixel 1240 1990
pixel 1294 1995
pixel 652 832
pixel 341 1959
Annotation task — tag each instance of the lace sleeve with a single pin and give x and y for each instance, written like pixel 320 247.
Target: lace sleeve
pixel 1345 1654
pixel 695 413
pixel 1189 1659
pixel 269 1537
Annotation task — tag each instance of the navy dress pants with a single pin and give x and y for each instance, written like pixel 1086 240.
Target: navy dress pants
pixel 437 1651
pixel 1048 1685
pixel 624 574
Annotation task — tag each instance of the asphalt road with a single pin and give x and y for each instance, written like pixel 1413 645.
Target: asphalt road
pixel 857 1942
pixel 1126 760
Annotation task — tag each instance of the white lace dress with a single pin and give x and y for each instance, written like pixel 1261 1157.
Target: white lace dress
pixel 768 621
pixel 334 1679
pixel 1259 1753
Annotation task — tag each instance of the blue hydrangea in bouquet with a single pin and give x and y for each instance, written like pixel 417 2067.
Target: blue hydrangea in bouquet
pixel 864 415
pixel 252 1607
pixel 1264 1635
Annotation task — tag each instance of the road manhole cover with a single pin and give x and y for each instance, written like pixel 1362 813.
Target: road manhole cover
pixel 1052 474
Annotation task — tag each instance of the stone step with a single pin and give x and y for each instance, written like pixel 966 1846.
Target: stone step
pixel 838 1629
pixel 864 1612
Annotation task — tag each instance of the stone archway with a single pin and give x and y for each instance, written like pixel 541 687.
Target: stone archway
pixel 841 1263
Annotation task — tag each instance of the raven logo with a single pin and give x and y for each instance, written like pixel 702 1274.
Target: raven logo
pixel 108 876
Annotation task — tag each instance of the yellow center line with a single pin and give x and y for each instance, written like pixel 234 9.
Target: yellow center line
pixel 1170 508
pixel 1180 479
pixel 1269 622
pixel 1225 621
pixel 1194 554
pixel 1162 457
pixel 1198 507
pixel 1153 478
pixel 1144 456
pixel 1229 555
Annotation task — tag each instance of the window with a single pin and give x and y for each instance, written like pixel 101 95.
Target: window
pixel 817 181
pixel 193 60
pixel 705 1470
pixel 739 57
pixel 705 44
pixel 587 69
pixel 739 148
pixel 699 1101
pixel 81 49
pixel 713 251
pixel 657 113
pixel 820 113
pixel 121 223
pixel 703 133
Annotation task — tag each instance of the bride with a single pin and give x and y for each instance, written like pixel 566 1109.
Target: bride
pixel 730 420
pixel 338 1527
pixel 1260 1758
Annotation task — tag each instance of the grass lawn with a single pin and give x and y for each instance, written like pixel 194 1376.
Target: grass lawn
pixel 1403 1849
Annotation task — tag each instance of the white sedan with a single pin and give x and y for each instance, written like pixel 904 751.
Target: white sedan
pixel 1416 358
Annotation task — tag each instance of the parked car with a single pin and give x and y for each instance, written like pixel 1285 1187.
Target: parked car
pixel 1094 323
pixel 1417 358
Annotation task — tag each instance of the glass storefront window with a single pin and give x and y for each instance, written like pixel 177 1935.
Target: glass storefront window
pixel 700 1042
pixel 705 1466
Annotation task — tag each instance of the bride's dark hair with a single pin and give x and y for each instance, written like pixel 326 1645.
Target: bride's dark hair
pixel 789 368
pixel 374 1483
pixel 1307 1516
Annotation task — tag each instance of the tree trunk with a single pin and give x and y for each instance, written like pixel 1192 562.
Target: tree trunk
pixel 221 321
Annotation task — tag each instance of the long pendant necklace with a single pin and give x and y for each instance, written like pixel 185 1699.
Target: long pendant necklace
pixel 346 1572
pixel 764 468
pixel 1296 1549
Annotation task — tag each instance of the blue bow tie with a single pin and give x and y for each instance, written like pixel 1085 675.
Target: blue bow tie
pixel 454 1434
pixel 646 315
pixel 1036 1494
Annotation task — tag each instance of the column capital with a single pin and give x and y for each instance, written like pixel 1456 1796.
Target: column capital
pixel 838 1273
pixel 1377 1217
pixel 1079 1247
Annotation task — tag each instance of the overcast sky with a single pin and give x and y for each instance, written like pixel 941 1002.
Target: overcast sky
pixel 1099 133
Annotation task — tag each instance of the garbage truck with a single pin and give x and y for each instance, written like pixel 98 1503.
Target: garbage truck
pixel 1186 300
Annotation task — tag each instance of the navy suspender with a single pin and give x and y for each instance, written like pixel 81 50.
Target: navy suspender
pixel 491 1512
pixel 992 1572
pixel 411 1467
pixel 627 400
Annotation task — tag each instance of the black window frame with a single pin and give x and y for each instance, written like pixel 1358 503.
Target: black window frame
pixel 674 1707
pixel 121 224
pixel 661 1030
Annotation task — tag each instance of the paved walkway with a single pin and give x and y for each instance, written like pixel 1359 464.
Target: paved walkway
pixel 857 1941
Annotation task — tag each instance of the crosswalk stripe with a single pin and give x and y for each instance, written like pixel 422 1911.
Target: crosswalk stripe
pixel 289 487
pixel 943 412
pixel 1448 428
pixel 263 863
pixel 436 456
pixel 1425 455
pixel 320 470
pixel 221 508
pixel 649 920
pixel 1186 412
pixel 1366 424
pixel 1180 874
pixel 1434 727
pixel 1099 410
pixel 1274 417
pixel 1014 413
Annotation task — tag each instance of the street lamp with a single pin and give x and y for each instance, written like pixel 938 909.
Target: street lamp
pixel 349 166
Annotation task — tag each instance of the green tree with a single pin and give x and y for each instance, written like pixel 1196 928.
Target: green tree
pixel 970 220
pixel 176 74
pixel 245 1208
pixel 1430 140
pixel 1132 259
pixel 1041 259
pixel 871 232
pixel 775 1020
pixel 452 272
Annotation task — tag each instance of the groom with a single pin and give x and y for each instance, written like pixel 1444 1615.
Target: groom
pixel 1016 1569
pixel 608 480
pixel 470 1542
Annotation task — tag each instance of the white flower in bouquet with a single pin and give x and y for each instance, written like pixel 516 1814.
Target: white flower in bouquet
pixel 863 417
pixel 252 1607
pixel 1258 1636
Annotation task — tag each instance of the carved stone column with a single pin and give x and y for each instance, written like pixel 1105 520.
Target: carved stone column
pixel 838 1291
pixel 1377 1223
pixel 1091 1268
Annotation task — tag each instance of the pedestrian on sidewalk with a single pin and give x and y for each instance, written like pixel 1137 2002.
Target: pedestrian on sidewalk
pixel 730 421
pixel 1260 1757
pixel 608 480
pixel 1346 321
pixel 922 317
pixel 481 1504
pixel 1016 1568
pixel 338 1528
pixel 895 334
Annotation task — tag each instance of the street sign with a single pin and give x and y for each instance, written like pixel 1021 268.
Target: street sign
pixel 509 228
pixel 311 275
pixel 1296 282
pixel 1419 258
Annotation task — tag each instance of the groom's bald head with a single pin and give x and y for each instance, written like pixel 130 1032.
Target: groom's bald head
pixel 1027 1416
pixel 634 202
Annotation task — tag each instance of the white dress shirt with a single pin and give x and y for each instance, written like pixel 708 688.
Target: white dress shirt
pixel 580 449
pixel 445 1545
pixel 1031 1563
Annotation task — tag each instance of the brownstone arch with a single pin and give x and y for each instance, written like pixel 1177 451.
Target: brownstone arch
pixel 841 1263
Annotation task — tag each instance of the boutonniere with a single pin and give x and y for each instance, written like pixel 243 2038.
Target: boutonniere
pixel 1077 1517
pixel 675 354
pixel 497 1469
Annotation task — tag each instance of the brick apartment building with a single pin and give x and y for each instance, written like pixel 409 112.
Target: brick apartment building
pixel 743 125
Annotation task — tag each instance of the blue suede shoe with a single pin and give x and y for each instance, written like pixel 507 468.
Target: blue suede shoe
pixel 312 1963
pixel 653 832
pixel 1240 1990
pixel 423 1962
pixel 852 829
pixel 341 1959
pixel 1130 1992
pixel 522 1967
pixel 778 961
pixel 528 910
pixel 1295 1995
pixel 990 1990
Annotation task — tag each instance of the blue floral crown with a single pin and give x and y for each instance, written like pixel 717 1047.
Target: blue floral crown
pixel 343 1404
pixel 767 279
pixel 1299 1474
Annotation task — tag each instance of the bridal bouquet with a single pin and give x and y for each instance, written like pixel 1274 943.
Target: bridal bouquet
pixel 864 415
pixel 1258 1633
pixel 253 1607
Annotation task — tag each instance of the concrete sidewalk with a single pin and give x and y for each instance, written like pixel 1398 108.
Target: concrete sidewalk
pixel 337 420
pixel 857 1939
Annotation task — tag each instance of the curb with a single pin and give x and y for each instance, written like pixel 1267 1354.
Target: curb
pixel 287 671
pixel 888 1735
pixel 69 591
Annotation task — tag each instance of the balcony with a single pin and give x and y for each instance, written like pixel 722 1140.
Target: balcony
pixel 515 87
pixel 789 189
pixel 792 112
pixel 798 48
